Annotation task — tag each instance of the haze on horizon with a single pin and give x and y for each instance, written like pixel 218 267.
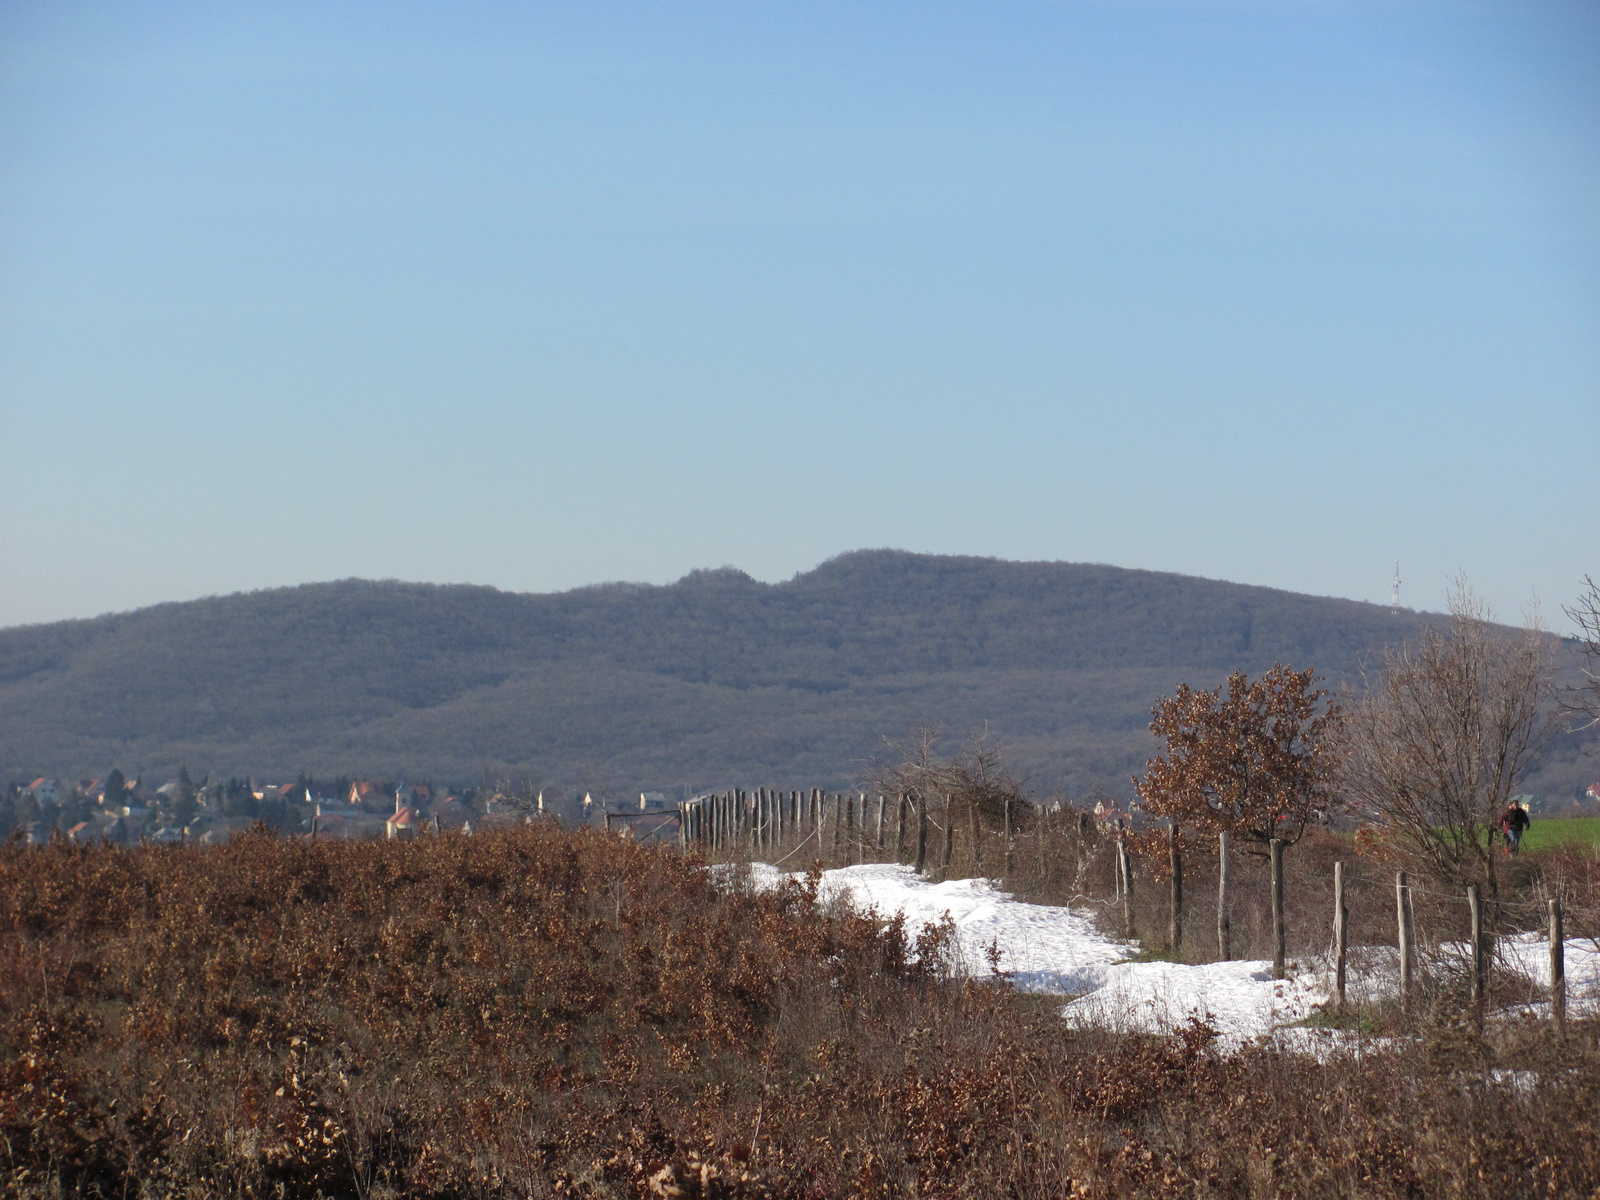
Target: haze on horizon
pixel 542 295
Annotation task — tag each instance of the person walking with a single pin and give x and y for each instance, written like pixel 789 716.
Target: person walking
pixel 1514 823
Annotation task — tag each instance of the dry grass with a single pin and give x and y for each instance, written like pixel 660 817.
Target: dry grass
pixel 537 1013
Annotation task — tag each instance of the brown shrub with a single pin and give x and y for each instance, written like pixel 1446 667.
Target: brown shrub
pixel 532 1013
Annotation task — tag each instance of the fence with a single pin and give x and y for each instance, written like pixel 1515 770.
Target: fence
pixel 836 828
pixel 1077 858
pixel 1469 960
pixel 936 833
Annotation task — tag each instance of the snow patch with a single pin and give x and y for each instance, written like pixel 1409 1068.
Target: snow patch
pixel 1056 951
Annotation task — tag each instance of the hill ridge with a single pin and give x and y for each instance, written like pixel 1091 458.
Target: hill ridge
pixel 714 678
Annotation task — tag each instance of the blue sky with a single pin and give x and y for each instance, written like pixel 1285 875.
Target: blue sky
pixel 542 295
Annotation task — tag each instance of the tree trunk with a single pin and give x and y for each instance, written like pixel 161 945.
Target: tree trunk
pixel 1175 864
pixel 1224 940
pixel 1279 931
pixel 922 832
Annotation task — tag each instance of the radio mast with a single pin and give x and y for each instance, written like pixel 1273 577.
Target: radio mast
pixel 1394 595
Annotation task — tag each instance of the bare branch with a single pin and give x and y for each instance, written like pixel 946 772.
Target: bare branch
pixel 1583 701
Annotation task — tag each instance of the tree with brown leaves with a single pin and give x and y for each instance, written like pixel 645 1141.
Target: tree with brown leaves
pixel 1249 759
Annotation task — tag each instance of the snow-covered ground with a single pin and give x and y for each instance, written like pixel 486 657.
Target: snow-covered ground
pixel 1529 955
pixel 1056 951
pixel 1051 950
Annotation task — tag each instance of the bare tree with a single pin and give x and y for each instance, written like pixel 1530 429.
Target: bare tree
pixel 1583 701
pixel 974 782
pixel 1437 745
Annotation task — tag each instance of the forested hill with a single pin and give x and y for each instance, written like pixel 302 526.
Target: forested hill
pixel 712 680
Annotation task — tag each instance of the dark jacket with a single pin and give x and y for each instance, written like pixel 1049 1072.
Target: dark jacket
pixel 1515 819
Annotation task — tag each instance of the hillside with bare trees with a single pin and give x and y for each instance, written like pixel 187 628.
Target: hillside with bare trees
pixel 712 679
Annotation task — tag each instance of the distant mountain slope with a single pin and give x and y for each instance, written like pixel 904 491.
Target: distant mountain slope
pixel 714 679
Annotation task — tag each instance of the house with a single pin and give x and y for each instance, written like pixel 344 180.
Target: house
pixel 364 793
pixel 1594 792
pixel 45 791
pixel 404 823
pixel 652 801
pixel 645 827
pixel 452 814
pixel 91 789
pixel 82 831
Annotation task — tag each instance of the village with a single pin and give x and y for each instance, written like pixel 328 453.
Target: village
pixel 122 811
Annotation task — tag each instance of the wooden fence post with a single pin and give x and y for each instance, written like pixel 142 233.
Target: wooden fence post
pixel 850 836
pixel 900 829
pixel 1005 870
pixel 976 826
pixel 1175 866
pixel 1558 970
pixel 922 831
pixel 1116 858
pixel 1125 873
pixel 1278 929
pixel 882 799
pixel 1402 910
pixel 1224 938
pixel 1341 929
pixel 1479 974
pixel 949 833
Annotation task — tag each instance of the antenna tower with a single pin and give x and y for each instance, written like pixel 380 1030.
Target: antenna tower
pixel 1394 594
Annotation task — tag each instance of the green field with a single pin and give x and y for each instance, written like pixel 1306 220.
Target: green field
pixel 1544 834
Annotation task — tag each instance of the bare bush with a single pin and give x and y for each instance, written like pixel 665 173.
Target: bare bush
pixel 971 795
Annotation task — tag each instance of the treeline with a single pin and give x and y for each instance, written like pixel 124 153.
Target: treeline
pixel 711 681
